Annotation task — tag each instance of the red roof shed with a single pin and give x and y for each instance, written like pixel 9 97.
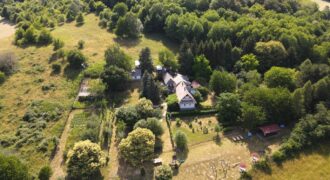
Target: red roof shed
pixel 270 129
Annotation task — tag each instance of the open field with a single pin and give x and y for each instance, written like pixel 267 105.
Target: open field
pixel 313 164
pixel 97 40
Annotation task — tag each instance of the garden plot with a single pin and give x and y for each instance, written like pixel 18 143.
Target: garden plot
pixel 198 129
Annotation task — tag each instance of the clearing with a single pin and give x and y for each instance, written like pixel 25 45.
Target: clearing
pixel 322 4
pixel 97 40
pixel 312 164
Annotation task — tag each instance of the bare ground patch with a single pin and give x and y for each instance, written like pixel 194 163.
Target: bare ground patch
pixel 6 29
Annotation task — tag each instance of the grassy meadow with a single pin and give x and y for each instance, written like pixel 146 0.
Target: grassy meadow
pixel 312 164
pixel 34 72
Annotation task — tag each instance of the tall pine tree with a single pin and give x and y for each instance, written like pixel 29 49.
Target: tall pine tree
pixel 146 60
pixel 186 58
pixel 150 89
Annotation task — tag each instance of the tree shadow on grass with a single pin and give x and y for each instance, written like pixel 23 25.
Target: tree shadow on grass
pixel 71 72
pixel 127 42
pixel 125 171
pixel 171 45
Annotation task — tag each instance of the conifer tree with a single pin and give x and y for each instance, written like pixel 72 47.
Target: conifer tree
pixel 146 60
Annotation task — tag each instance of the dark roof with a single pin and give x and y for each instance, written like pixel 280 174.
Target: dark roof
pixel 269 129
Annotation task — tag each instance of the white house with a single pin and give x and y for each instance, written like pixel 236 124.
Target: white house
pixel 185 98
pixel 182 87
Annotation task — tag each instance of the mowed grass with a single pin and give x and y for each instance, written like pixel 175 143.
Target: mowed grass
pixel 196 136
pixel 313 164
pixel 97 40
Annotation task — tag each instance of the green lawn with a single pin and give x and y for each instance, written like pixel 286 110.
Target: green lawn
pixel 97 40
pixel 197 136
pixel 311 164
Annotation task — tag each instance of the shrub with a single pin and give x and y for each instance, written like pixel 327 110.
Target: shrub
pixel 2 77
pixel 94 71
pixel 76 58
pixel 163 172
pixel 45 173
pixel 58 44
pixel 80 19
pixel 45 37
pixel 12 168
pixel 178 122
pixel 172 102
pixel 263 165
pixel 8 62
pixel 56 68
pixel 181 141
pixel 81 44
pixel 205 130
pixel 204 91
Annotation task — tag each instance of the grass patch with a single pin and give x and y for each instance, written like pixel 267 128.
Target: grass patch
pixel 194 127
pixel 313 163
pixel 97 40
pixel 85 125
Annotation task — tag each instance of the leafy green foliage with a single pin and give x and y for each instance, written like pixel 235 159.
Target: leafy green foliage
pixel 138 147
pixel 115 78
pixel 153 124
pixel 181 141
pixel 163 172
pixel 172 102
pixel 201 68
pixel 12 168
pixel 45 173
pixel 129 26
pixel 85 159
pixel 221 82
pixel 280 77
pixel 76 58
pixel 114 56
pixel 229 108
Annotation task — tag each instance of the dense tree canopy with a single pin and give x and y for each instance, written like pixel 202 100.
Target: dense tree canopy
pixel 138 147
pixel 85 159
pixel 12 168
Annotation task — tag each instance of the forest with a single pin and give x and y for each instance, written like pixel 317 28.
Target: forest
pixel 262 61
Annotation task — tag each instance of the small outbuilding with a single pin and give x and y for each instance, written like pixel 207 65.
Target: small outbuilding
pixel 270 129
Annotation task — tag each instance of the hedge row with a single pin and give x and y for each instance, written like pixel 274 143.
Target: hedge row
pixel 193 113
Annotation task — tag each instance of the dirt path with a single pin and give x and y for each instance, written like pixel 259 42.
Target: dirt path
pixel 167 145
pixel 322 4
pixel 113 154
pixel 6 29
pixel 58 162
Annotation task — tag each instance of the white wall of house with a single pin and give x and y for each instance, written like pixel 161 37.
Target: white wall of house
pixel 187 105
pixel 136 77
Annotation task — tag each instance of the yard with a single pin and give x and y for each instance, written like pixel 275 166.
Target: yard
pixel 198 129
pixel 207 159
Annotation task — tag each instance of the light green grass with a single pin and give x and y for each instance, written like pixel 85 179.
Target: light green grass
pixel 78 127
pixel 198 136
pixel 97 40
pixel 312 164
